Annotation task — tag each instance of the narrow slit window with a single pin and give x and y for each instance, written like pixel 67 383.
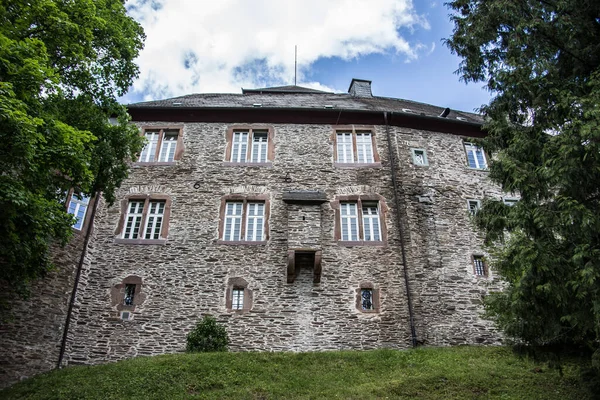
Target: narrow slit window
pixel 129 294
pixel 479 266
pixel 366 297
pixel 237 300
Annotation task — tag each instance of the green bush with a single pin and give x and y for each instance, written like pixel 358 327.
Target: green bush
pixel 207 336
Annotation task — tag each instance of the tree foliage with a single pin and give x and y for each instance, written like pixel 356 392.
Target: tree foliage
pixel 207 336
pixel 62 65
pixel 540 60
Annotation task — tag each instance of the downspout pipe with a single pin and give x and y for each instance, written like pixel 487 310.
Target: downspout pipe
pixel 393 166
pixel 86 241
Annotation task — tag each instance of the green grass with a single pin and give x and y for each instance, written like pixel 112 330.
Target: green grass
pixel 424 373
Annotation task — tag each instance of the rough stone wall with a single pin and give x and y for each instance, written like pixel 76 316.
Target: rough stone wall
pixel 30 340
pixel 447 294
pixel 187 277
pixel 190 275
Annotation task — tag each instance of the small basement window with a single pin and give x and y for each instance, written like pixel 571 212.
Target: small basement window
pixel 420 157
pixel 473 206
pixel 479 267
pixel 237 298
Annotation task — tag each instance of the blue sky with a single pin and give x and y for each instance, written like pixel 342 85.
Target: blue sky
pixel 221 46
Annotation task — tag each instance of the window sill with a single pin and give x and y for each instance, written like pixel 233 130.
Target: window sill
pixel 242 242
pixel 369 311
pixel 477 169
pixel 421 165
pixel 352 243
pixel 145 164
pixel 267 164
pixel 141 241
pixel 357 165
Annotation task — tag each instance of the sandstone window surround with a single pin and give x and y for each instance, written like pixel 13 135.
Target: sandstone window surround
pixel 480 267
pixel 244 219
pixel 164 145
pixel 367 298
pixel 473 206
pixel 249 145
pixel 476 158
pixel 360 220
pixel 419 157
pixel 144 219
pixel 126 295
pixel 238 298
pixel 354 146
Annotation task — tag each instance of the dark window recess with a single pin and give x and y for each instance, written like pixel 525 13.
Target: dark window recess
pixel 479 264
pixel 129 294
pixel 367 299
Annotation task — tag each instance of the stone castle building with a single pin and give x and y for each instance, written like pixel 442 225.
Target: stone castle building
pixel 302 220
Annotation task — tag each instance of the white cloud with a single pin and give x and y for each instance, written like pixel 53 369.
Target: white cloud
pixel 220 46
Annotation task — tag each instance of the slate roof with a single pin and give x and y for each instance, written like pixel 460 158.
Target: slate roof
pixel 296 97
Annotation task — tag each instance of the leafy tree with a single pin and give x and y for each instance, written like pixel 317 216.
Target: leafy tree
pixel 540 59
pixel 207 336
pixel 62 64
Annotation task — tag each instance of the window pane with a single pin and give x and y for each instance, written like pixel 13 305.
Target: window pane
pixel 233 221
pixel 129 294
pixel 344 148
pixel 149 150
pixel 259 147
pixel 479 265
pixel 364 147
pixel 133 219
pixel 156 211
pixel 475 156
pixel 367 299
pixel 371 228
pixel 237 301
pixel 168 146
pixel 78 208
pixel 239 147
pixel 349 221
pixel 255 221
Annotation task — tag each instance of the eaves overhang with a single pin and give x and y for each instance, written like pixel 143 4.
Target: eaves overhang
pixel 300 115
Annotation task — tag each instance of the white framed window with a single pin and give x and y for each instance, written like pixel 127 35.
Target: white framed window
pixel 255 218
pixel 237 298
pixel 419 157
pixel 354 147
pixel 144 219
pixel 360 221
pixel 475 156
pixel 249 146
pixel 233 220
pixel 78 206
pixel 473 206
pixel 371 228
pixel 161 145
pixel 244 220
pixel 510 201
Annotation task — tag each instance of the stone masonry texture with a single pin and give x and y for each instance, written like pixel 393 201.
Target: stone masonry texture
pixel 188 276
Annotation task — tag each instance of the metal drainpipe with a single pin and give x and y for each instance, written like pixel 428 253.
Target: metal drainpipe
pixel 88 233
pixel 400 230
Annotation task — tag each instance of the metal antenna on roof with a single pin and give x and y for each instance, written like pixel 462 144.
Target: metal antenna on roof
pixel 295 63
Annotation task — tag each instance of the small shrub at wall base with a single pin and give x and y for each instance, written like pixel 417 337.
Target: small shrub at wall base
pixel 207 336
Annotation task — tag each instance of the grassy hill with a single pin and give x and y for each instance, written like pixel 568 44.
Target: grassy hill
pixel 424 373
